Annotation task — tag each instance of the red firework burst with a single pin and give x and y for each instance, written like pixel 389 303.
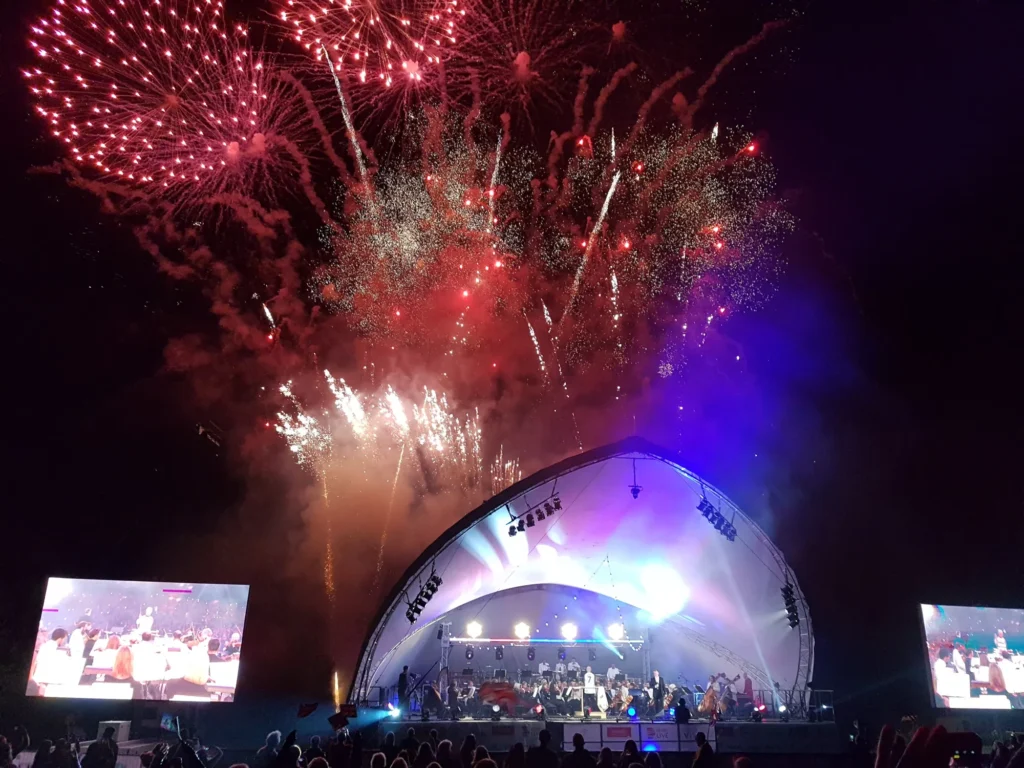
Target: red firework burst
pixel 164 96
pixel 383 44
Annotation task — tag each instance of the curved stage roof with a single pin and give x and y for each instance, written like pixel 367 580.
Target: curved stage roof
pixel 694 600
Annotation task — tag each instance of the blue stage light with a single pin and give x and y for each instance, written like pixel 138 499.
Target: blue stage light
pixel 650 747
pixel 671 711
pixel 631 711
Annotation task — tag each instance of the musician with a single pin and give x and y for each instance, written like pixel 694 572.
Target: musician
pixel 560 670
pixel 453 700
pixel 589 688
pixel 657 692
pixel 543 667
pixel 613 671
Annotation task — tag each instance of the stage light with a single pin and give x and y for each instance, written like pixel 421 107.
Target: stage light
pixel 782 708
pixel 631 711
pixel 529 520
pixel 522 630
pixel 672 712
pixel 591 654
pixel 789 598
pixel 705 508
pixel 469 651
pixel 557 502
pixel 761 708
pixel 561 654
pixel 569 631
pixel 512 530
pixel 540 515
pixel 755 716
pixel 521 525
pixel 474 629
pixel 635 490
pixel 549 509
pixel 499 653
pixel 495 712
pixel 440 632
pixel 616 631
pixel 539 711
pixel 531 654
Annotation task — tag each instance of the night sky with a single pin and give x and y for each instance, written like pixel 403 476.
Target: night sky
pixel 890 357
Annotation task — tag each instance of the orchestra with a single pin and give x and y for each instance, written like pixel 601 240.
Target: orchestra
pixel 572 693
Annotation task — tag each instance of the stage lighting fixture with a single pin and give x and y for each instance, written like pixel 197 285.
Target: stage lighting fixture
pixel 499 653
pixel 561 654
pixel 529 520
pixel 549 509
pixel 531 654
pixel 440 633
pixel 495 712
pixel 474 629
pixel 521 525
pixel 672 712
pixel 631 711
pixel 755 716
pixel 540 514
pixel 616 631
pixel 539 711
pixel 705 508
pixel 782 708
pixel 569 631
pixel 557 502
pixel 591 654
pixel 789 598
pixel 635 490
pixel 469 652
pixel 512 530
pixel 522 630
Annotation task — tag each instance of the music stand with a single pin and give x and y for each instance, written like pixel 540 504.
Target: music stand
pixel 525 674
pixel 499 674
pixel 547 675
pixel 572 675
pixel 467 672
pixel 621 677
pixel 699 689
pixel 686 690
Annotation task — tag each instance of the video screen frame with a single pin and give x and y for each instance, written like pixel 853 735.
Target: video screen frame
pixel 974 656
pixel 138 640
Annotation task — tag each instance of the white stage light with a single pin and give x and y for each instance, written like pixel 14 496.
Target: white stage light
pixel 522 630
pixel 782 707
pixel 569 631
pixel 474 629
pixel 616 632
pixel 495 708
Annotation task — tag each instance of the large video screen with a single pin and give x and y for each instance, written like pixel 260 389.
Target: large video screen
pixel 975 656
pixel 138 640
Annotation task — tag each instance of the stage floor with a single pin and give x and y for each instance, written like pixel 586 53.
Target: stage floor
pixel 650 735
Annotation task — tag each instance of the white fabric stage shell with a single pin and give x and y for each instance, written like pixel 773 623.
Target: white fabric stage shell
pixel 706 604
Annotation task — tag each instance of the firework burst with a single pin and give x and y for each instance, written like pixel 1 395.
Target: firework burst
pixel 169 100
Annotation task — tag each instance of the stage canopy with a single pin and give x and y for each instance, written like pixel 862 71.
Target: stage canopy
pixel 629 540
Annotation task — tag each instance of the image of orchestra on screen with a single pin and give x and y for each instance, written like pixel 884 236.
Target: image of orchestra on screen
pixel 138 640
pixel 975 656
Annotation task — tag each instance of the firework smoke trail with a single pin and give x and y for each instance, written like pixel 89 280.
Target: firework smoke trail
pixel 536 347
pixel 594 233
pixel 349 126
pixel 387 523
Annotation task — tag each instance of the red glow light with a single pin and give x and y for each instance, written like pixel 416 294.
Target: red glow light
pixel 398 313
pixel 583 243
pixel 721 310
pixel 716 229
pixel 719 245
pixel 751 147
pixel 465 294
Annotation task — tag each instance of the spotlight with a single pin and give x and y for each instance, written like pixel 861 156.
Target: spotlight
pixel 531 654
pixel 540 514
pixel 789 598
pixel 512 530
pixel 529 520
pixel 393 711
pixel 616 631
pixel 549 509
pixel 672 712
pixel 539 711
pixel 592 654
pixel 755 716
pixel 499 653
pixel 631 711
pixel 469 652
pixel 474 629
pixel 705 508
pixel 440 632
pixel 782 708
pixel 569 631
pixel 495 712
pixel 557 502
pixel 521 525
pixel 561 654
pixel 522 630
pixel 635 490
